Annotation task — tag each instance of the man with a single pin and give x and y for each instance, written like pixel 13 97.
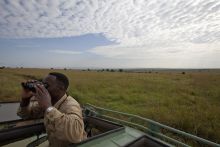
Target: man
pixel 62 114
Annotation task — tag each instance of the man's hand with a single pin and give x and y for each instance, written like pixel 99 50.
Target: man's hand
pixel 27 94
pixel 43 96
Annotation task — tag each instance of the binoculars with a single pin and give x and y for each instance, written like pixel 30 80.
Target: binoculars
pixel 31 85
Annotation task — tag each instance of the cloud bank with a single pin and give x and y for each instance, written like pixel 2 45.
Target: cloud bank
pixel 68 52
pixel 142 29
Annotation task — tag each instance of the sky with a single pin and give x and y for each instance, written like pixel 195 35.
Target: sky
pixel 110 33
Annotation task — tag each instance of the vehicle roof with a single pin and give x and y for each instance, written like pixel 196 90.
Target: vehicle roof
pixel 120 137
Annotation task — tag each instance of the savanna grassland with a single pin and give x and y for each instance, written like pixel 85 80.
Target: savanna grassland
pixel 189 102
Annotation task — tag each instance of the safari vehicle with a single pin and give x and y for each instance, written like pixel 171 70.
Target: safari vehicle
pixel 105 128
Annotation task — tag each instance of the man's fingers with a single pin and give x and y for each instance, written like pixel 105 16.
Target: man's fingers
pixel 39 87
pixel 39 92
pixel 43 89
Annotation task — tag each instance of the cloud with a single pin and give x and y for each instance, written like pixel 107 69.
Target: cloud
pixel 142 29
pixel 68 52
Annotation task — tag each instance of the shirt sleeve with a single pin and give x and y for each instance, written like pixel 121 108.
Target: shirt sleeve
pixel 31 111
pixel 69 124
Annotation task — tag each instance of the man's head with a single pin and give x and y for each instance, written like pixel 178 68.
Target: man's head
pixel 57 84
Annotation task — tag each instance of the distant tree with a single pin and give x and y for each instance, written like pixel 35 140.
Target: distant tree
pixel 120 70
pixel 112 70
pixel 88 69
pixel 183 73
pixel 103 70
pixel 51 68
pixel 65 68
pixel 107 69
pixel 2 67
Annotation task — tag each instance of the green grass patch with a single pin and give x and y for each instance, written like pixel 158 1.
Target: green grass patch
pixel 189 102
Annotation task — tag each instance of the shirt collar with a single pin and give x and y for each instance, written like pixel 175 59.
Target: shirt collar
pixel 57 105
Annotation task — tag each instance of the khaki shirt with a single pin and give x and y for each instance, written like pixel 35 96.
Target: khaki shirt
pixel 64 124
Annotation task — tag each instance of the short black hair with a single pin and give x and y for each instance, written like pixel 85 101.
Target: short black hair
pixel 61 78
